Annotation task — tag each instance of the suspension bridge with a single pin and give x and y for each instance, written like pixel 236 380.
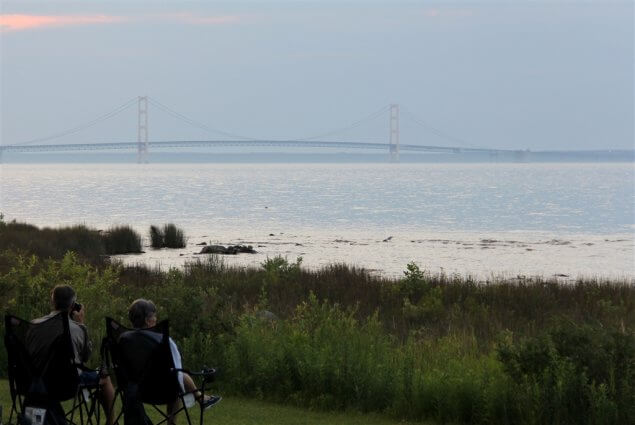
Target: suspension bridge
pixel 143 145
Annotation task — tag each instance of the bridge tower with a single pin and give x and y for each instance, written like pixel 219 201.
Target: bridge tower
pixel 142 130
pixel 394 133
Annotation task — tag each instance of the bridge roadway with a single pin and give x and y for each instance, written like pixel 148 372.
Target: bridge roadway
pixel 239 143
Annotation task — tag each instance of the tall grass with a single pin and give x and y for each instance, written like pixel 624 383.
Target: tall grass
pixel 173 237
pixel 121 240
pixel 156 237
pixel 52 243
pixel 169 236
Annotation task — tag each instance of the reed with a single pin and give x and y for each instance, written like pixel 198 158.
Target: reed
pixel 52 242
pixel 156 237
pixel 173 237
pixel 169 236
pixel 121 240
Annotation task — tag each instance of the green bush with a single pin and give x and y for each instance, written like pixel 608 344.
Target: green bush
pixel 156 237
pixel 121 240
pixel 573 373
pixel 169 236
pixel 173 237
pixel 52 243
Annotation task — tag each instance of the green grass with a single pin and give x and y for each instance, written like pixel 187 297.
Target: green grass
pixel 242 411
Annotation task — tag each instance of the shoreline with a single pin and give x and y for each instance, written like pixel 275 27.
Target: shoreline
pixel 483 256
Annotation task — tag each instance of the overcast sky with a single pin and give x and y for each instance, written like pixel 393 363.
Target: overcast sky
pixel 518 74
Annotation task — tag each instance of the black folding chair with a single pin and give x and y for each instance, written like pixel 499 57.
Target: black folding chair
pixel 144 369
pixel 43 373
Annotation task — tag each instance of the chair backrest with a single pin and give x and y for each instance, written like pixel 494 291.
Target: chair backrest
pixel 41 360
pixel 143 362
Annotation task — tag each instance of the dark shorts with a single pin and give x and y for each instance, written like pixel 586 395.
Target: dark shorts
pixel 89 378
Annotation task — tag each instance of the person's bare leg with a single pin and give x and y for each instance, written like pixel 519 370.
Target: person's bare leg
pixel 190 386
pixel 107 398
pixel 172 408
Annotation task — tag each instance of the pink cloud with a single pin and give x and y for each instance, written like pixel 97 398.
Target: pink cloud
pixel 26 22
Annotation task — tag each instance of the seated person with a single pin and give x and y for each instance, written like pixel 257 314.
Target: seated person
pixel 63 298
pixel 143 314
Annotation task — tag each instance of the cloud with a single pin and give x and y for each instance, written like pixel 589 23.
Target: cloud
pixel 27 22
pixel 17 22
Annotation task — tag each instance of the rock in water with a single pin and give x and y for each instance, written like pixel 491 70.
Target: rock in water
pixel 228 250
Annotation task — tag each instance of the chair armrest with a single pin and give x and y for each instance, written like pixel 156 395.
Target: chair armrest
pixel 102 370
pixel 207 372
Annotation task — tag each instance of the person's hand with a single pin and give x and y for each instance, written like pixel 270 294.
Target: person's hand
pixel 78 316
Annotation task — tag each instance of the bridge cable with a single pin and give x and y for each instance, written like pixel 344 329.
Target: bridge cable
pixel 436 131
pixel 237 136
pixel 81 127
pixel 351 126
pixel 196 123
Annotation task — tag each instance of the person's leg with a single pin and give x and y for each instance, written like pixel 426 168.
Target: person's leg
pixel 107 398
pixel 190 386
pixel 107 393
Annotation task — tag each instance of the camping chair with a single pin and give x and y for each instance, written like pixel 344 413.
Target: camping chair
pixel 43 373
pixel 143 366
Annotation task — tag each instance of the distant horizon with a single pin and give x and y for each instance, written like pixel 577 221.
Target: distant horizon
pixel 158 157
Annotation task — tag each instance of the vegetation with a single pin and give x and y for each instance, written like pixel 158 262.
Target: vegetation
pixel 156 237
pixel 89 244
pixel 168 237
pixel 52 243
pixel 424 347
pixel 173 237
pixel 121 240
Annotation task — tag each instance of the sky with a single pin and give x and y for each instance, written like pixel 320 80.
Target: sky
pixel 539 75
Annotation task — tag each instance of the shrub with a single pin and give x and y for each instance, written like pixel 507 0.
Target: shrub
pixel 121 240
pixel 52 243
pixel 156 237
pixel 173 237
pixel 573 373
pixel 169 236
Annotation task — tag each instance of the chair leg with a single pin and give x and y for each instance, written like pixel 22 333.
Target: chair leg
pixel 13 409
pixel 187 414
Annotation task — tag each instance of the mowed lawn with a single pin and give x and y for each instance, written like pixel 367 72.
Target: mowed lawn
pixel 241 411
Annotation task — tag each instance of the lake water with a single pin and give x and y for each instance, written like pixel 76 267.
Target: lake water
pixel 480 219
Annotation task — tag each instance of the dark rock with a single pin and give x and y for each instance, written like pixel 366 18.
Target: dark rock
pixel 228 250
pixel 387 239
pixel 202 244
pixel 271 234
pixel 213 249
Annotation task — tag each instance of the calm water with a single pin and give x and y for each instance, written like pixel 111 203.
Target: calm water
pixel 438 215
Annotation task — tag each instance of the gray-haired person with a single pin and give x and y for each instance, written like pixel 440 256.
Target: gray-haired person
pixel 142 314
